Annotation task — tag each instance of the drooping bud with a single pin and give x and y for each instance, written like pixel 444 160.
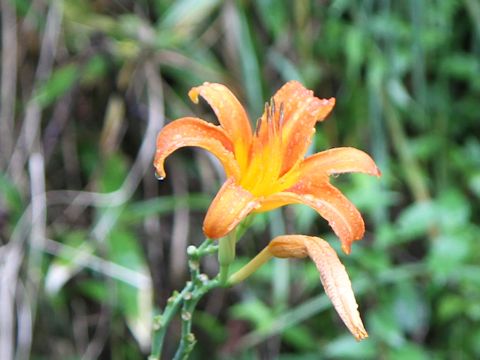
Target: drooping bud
pixel 288 247
pixel 333 275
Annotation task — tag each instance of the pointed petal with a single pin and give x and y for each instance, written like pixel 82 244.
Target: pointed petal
pixel 342 216
pixel 337 284
pixel 301 110
pixel 195 132
pixel 230 114
pixel 230 206
pixel 338 161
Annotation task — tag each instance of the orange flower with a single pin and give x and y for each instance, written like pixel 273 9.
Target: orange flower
pixel 267 169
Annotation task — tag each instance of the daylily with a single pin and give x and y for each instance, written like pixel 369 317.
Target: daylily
pixel 267 168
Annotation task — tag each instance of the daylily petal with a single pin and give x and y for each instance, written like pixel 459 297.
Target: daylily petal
pixel 337 284
pixel 230 114
pixel 333 275
pixel 337 161
pixel 190 131
pixel 231 205
pixel 301 110
pixel 342 216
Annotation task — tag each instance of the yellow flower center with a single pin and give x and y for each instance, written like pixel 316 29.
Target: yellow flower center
pixel 263 174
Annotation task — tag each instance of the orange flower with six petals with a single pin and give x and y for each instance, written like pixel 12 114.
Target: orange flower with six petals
pixel 267 168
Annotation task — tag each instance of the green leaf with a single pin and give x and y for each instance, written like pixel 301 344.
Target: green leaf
pixel 410 308
pixel 449 251
pixel 57 85
pixel 249 63
pixel 382 325
pixel 184 15
pixel 416 219
pixel 300 337
pixel 451 306
pixel 255 311
pixel 211 325
pixel 94 70
pixel 10 199
pixel 345 347
pixel 454 210
pixel 410 351
pixel 68 261
pixel 461 66
pixel 125 249
pixel 274 16
pixel 114 171
pixel 95 290
pixel 135 302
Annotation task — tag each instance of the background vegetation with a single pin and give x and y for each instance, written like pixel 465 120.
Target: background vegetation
pixel 91 242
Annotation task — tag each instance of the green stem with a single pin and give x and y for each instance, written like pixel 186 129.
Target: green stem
pixel 223 274
pixel 193 291
pixel 226 255
pixel 161 322
pixel 261 258
pixel 188 341
pixel 243 226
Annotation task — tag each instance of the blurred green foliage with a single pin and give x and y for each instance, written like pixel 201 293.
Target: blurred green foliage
pixel 95 81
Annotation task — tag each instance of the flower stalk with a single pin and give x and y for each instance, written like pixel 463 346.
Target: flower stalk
pixel 253 265
pixel 226 255
pixel 186 300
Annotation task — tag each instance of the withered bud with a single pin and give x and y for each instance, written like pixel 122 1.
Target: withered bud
pixel 288 247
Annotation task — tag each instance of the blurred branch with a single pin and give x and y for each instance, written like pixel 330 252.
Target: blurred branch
pixel 37 235
pixel 61 115
pixel 31 124
pixel 413 173
pixel 181 225
pixel 101 334
pixel 138 169
pixel 31 223
pixel 474 11
pixel 25 321
pixel 12 259
pixel 95 263
pixel 152 225
pixel 9 79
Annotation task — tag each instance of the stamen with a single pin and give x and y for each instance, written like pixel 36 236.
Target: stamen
pixel 282 116
pixel 272 109
pixel 257 126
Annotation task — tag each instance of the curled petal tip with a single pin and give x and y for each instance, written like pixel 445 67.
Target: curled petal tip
pixel 158 164
pixel 360 334
pixel 347 248
pixel 160 175
pixel 193 95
